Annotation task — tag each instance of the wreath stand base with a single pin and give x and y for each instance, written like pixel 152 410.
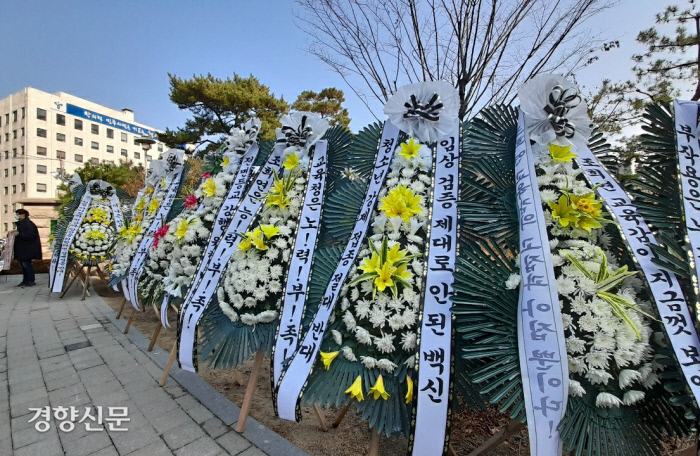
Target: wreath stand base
pixel 76 270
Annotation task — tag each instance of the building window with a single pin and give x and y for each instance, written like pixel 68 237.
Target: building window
pixel 40 132
pixel 110 149
pixel 22 131
pixel 95 129
pixel 14 170
pixel 148 157
pixel 5 226
pixel 78 141
pixel 22 188
pixel 110 133
pixel 14 151
pixel 22 150
pixel 5 208
pixel 78 158
pixel 23 113
pixel 94 145
pixel 41 150
pixel 123 137
pixel 41 188
pixel 21 169
pixel 14 116
pixel 61 155
pixel 7 137
pixel 78 124
pixel 7 154
pixel 14 134
pixel 14 189
pixel 124 153
pixel 6 190
pixel 7 172
pixel 40 114
pixel 160 148
pixel 60 137
pixel 60 119
pixel 41 169
pixel 95 161
pixel 7 118
pixel 137 155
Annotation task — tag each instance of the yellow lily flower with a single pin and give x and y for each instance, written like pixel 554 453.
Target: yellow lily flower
pixel 409 393
pixel 162 182
pixel 394 254
pixel 561 154
pixel 269 230
pixel 149 190
pixel 355 390
pixel 245 244
pixel 410 149
pixel 328 358
pixel 383 279
pixel 370 265
pixel 182 228
pixel 225 162
pixel 564 212
pixel 155 204
pixel 401 202
pixel 141 205
pixel 402 273
pixel 378 389
pixel 588 223
pixel 291 161
pixel 209 187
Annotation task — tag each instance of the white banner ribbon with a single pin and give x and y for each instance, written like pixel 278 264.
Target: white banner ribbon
pixel 59 263
pixel 136 268
pixel 686 114
pixel 300 264
pixel 430 434
pixel 291 383
pixel 164 311
pixel 664 287
pixel 543 363
pixel 209 273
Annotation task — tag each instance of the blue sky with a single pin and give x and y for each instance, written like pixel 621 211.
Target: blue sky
pixel 119 53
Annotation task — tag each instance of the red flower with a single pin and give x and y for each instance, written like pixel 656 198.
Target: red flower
pixel 160 234
pixel 190 201
pixel 206 175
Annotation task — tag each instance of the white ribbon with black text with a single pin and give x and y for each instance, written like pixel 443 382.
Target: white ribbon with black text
pixel 209 272
pixel 686 114
pixel 300 263
pixel 173 184
pixel 59 263
pixel 665 289
pixel 543 363
pixel 434 352
pixel 291 383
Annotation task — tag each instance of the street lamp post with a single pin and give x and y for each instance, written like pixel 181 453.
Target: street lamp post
pixel 145 142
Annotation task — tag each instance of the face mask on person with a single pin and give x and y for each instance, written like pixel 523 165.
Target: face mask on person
pixel 16 218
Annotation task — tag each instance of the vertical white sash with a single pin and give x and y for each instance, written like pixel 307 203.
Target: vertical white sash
pixel 59 262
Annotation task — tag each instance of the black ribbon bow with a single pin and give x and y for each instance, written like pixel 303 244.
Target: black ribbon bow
pixel 429 111
pixel 172 163
pixel 105 192
pixel 297 137
pixel 560 103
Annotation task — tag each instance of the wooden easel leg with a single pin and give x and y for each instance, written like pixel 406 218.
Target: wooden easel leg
pixel 155 335
pixel 374 444
pixel 86 284
pixel 173 354
pixel 341 415
pixel 252 383
pixel 65 290
pixel 121 309
pixel 100 273
pixel 321 419
pixel 239 377
pixel 451 450
pixel 128 323
pixel 505 432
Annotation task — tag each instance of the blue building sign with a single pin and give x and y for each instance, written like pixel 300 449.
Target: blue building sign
pixel 111 121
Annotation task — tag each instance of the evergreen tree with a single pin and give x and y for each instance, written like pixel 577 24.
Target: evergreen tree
pixel 328 102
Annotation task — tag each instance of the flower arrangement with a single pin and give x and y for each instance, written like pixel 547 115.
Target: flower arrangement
pixel 252 285
pixel 96 235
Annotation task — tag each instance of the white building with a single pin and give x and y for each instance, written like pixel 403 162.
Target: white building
pixel 41 133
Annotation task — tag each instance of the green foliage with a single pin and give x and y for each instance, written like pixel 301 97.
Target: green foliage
pixel 328 102
pixel 219 104
pixel 125 175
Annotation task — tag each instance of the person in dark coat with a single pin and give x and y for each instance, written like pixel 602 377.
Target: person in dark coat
pixel 27 246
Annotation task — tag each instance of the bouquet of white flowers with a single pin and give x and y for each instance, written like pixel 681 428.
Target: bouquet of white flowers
pixel 96 235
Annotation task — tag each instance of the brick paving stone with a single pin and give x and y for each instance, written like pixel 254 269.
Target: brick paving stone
pixel 253 451
pixel 37 371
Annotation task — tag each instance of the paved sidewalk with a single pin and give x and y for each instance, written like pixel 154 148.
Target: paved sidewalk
pixel 67 353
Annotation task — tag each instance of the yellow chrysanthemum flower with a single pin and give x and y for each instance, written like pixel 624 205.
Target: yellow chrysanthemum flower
pixel 401 202
pixel 378 389
pixel 587 204
pixel 410 149
pixel 328 358
pixel 355 390
pixel 291 161
pixel 155 204
pixel 141 205
pixel 561 154
pixel 149 190
pixel 225 162
pixel 94 234
pixel 209 187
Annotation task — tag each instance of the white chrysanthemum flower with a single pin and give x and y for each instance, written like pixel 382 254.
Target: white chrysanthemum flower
pixel 575 345
pixel 513 281
pixel 598 376
pixel 408 341
pixel 368 361
pixel 348 354
pixel 337 337
pixel 362 335
pixel 632 397
pixel 575 388
pixel 362 308
pixel 385 344
pixel 387 365
pixel 607 400
pixel 627 377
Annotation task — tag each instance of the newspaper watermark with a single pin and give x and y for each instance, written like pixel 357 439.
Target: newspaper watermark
pixel 92 419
